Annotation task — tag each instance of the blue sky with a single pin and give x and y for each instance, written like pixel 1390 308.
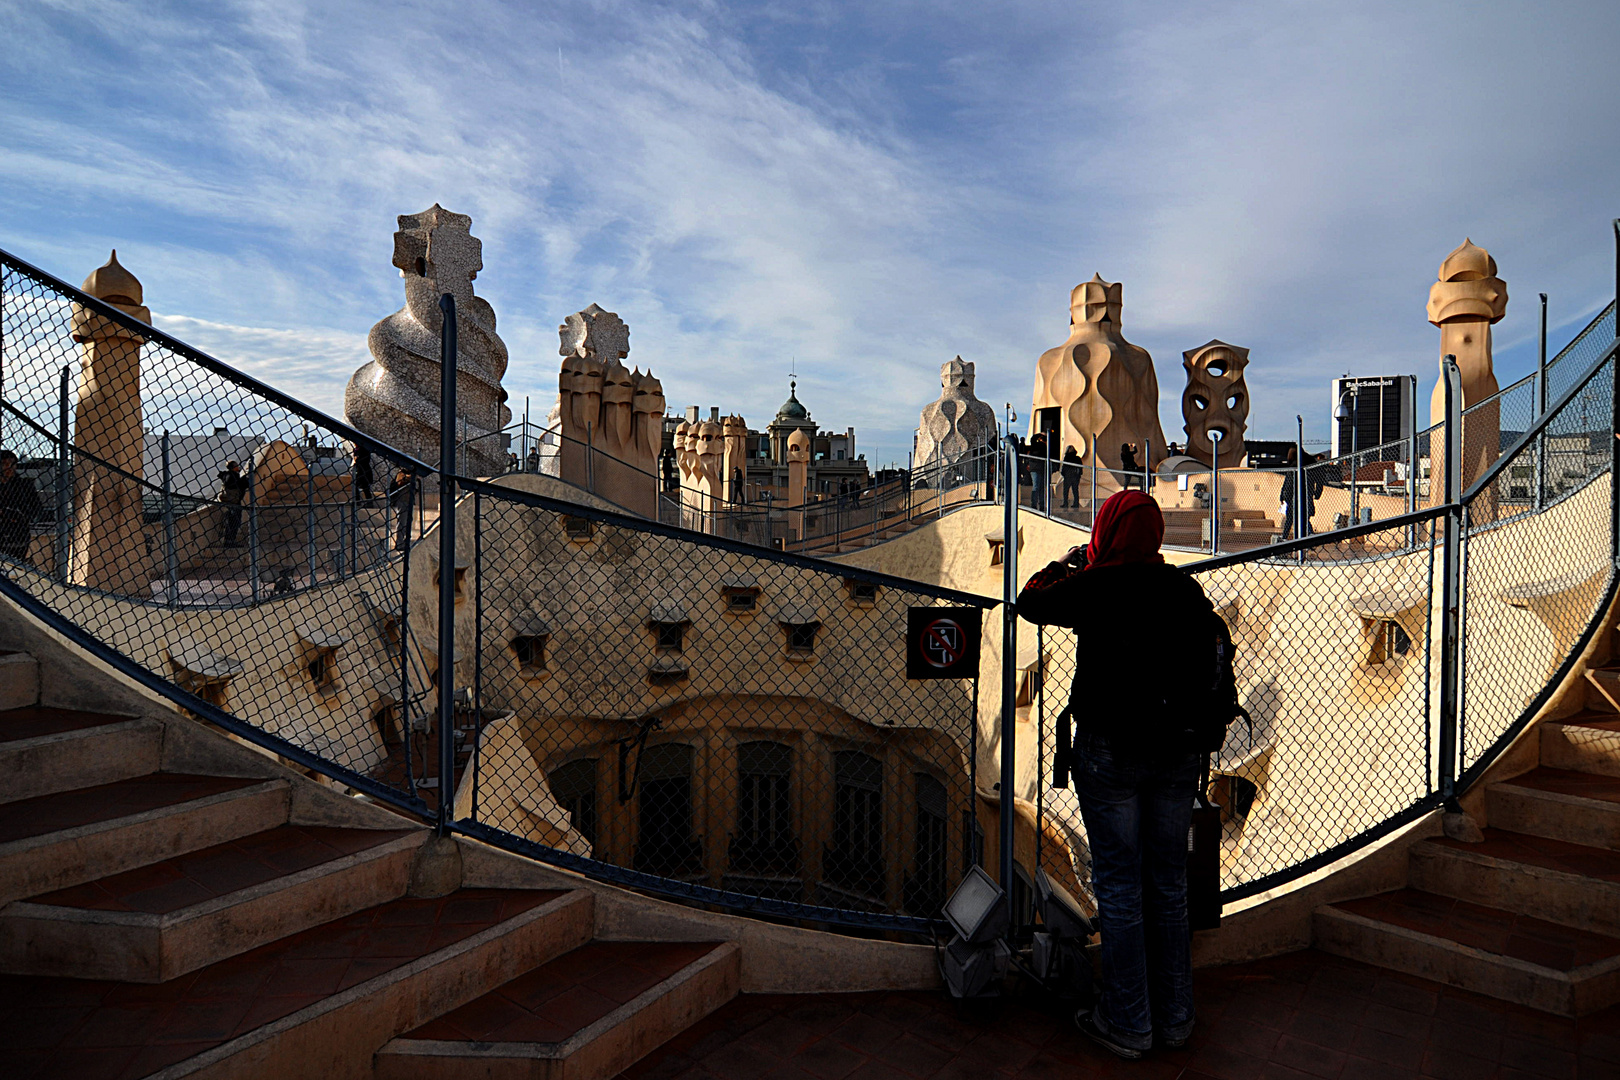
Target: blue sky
pixel 860 190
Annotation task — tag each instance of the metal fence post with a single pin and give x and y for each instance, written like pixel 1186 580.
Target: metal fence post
pixel 1094 459
pixel 478 646
pixel 1412 467
pixel 1541 408
pixel 447 562
pixel 64 482
pixel 1301 501
pixel 1450 581
pixel 309 517
pixel 1614 443
pixel 1215 492
pixel 170 568
pixel 253 532
pixel 1009 670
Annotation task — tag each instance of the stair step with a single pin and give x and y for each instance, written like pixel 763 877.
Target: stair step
pixel 1582 808
pixel 19 680
pixel 1556 969
pixel 311 1004
pixel 44 750
pixel 1588 742
pixel 157 922
pixel 1603 688
pixel 70 837
pixel 590 1013
pixel 1569 884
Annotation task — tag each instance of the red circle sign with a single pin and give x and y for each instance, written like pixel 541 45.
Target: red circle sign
pixel 943 643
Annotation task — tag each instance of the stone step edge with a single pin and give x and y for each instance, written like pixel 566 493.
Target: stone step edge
pixel 76 832
pixel 28 846
pixel 1580 802
pixel 1564 999
pixel 23 761
pixel 217 1060
pixel 725 953
pixel 1525 871
pixel 63 918
pixel 115 722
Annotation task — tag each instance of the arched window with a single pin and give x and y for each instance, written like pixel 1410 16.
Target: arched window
pixel 854 859
pixel 573 785
pixel 925 885
pixel 764 842
pixel 664 841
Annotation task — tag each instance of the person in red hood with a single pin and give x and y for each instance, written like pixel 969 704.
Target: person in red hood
pixel 1132 772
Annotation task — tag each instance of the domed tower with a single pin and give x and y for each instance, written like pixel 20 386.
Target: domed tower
pixel 791 417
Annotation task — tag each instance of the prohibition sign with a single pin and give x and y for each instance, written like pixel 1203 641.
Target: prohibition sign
pixel 943 643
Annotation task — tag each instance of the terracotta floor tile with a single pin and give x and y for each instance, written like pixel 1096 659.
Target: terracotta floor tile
pixel 153 1058
pixel 35 721
pixel 1540 851
pixel 829 1059
pixel 104 802
pixel 219 1002
pixel 1564 782
pixel 567 994
pixel 1493 930
pixel 1409 1026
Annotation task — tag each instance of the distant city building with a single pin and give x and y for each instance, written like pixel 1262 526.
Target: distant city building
pixel 1380 408
pixel 833 460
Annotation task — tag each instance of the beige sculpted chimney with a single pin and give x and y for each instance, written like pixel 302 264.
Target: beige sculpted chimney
pixel 798 463
pixel 1216 398
pixel 395 396
pixel 1099 383
pixel 109 547
pixel 736 456
pixel 1467 299
pixel 613 413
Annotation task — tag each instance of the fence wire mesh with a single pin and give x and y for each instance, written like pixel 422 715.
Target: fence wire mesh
pixel 708 714
pixel 704 718
pixel 712 719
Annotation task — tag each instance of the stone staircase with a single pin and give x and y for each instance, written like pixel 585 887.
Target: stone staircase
pixel 1531 914
pixel 161 920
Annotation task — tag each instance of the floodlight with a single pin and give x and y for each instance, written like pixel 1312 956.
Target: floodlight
pixel 1060 913
pixel 977 910
pixel 1061 965
pixel 972 971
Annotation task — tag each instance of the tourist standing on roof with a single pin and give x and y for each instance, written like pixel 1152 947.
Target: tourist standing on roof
pixel 1134 780
pixel 19 506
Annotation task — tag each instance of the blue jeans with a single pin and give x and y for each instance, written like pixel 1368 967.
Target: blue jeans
pixel 1138 812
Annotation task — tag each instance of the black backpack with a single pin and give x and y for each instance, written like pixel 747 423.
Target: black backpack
pixel 1208 719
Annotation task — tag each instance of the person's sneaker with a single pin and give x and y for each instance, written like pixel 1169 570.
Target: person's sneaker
pixel 1086 1021
pixel 1176 1042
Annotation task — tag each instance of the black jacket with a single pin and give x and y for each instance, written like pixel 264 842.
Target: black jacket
pixel 1140 648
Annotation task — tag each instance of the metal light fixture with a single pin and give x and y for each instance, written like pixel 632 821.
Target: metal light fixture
pixel 976 959
pixel 1058 954
pixel 977 910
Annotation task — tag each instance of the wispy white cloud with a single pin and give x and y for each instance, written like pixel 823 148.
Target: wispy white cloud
pixel 864 191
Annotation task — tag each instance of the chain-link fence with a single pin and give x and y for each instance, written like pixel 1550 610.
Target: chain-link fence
pixel 706 718
pixel 666 708
pixel 679 707
pixel 1339 634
